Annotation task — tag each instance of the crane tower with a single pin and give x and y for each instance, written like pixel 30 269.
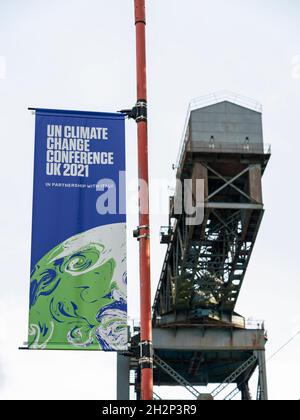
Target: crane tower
pixel 198 337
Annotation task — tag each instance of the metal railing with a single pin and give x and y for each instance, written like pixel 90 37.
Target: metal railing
pixel 228 147
pixel 255 324
pixel 226 95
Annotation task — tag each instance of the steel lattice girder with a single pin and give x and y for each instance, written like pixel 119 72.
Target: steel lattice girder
pixel 215 265
pixel 205 265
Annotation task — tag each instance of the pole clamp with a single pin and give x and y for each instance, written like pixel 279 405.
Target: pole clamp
pixel 146 355
pixel 138 112
pixel 137 232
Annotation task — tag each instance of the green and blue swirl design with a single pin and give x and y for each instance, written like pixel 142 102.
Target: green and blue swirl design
pixel 78 297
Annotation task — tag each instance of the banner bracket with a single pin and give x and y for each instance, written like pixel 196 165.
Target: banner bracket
pixel 137 232
pixel 138 112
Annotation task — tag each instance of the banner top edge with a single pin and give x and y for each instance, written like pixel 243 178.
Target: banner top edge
pixel 51 111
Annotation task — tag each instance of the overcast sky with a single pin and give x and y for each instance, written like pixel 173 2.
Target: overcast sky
pixel 81 55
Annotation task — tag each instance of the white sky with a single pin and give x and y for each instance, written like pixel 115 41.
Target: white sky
pixel 81 55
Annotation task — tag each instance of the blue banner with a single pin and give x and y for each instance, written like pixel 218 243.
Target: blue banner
pixel 78 296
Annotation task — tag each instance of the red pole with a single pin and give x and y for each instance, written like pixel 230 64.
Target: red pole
pixel 146 360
